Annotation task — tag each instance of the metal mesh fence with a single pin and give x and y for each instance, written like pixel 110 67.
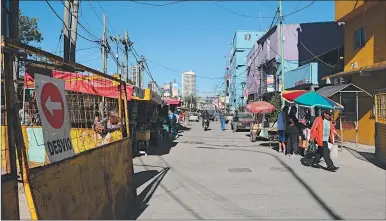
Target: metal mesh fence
pixel 95 113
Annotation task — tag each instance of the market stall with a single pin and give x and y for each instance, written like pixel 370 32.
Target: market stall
pixel 172 103
pixel 257 128
pixel 314 100
pixel 147 129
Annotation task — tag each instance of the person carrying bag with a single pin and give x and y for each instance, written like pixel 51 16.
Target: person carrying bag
pixel 322 133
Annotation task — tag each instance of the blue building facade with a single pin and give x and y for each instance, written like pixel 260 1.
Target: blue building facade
pixel 242 43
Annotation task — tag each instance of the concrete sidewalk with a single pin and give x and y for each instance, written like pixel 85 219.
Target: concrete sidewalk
pixel 222 175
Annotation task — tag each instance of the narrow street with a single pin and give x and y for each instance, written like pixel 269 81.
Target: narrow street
pixel 222 175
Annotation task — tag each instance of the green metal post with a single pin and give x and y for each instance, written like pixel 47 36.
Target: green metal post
pixel 281 48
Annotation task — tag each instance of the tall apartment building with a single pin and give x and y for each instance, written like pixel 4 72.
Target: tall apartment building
pixel 188 83
pixel 137 76
pixel 242 43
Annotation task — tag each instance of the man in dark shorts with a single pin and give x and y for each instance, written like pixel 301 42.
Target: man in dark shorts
pixel 281 127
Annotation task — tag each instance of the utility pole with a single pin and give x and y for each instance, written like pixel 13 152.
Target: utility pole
pixel 127 45
pixel 281 47
pixel 140 74
pixel 104 61
pixel 104 46
pixel 66 30
pixel 74 27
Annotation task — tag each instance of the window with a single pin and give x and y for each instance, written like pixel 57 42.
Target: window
pixel 349 103
pixel 359 38
pixel 247 37
pixel 380 108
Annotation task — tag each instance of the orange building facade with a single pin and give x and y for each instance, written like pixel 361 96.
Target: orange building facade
pixel 364 61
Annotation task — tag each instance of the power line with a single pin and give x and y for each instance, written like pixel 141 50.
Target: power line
pixel 332 66
pixel 301 9
pixel 66 25
pixel 84 18
pixel 156 5
pixel 108 20
pixel 91 34
pixel 60 40
pixel 80 49
pixel 300 2
pixel 93 59
pixel 267 5
pixel 100 19
pixel 236 13
pixel 171 69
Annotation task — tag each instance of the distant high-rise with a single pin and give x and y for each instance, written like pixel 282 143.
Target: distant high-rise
pixel 136 76
pixel 166 90
pixel 152 86
pixel 134 73
pixel 188 83
pixel 174 89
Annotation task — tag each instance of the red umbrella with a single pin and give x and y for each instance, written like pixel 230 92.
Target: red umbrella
pixel 260 107
pixel 290 96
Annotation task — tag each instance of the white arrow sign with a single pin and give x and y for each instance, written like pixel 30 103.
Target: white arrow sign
pixel 51 106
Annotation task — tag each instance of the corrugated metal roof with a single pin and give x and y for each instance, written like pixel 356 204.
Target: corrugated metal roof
pixel 329 91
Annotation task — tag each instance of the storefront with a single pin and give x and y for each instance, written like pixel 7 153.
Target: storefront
pixel 146 108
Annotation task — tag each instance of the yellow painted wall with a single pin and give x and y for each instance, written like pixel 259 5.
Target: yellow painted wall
pixel 343 8
pixel 375 49
pixel 366 128
pixel 355 16
pixel 9 198
pixel 96 184
pixel 82 140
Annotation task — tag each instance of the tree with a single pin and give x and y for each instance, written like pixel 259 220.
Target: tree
pixel 28 29
pixel 276 102
pixel 191 101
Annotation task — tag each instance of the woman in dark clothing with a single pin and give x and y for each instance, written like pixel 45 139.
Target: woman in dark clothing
pixel 293 132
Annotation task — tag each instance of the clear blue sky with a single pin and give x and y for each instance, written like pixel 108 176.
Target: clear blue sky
pixel 185 36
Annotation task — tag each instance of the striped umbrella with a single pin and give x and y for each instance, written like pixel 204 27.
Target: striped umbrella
pixel 291 95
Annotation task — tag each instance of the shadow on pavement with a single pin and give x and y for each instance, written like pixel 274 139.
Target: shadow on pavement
pixel 326 208
pixel 162 149
pixel 273 145
pixel 143 176
pixel 183 128
pixel 142 200
pixel 365 156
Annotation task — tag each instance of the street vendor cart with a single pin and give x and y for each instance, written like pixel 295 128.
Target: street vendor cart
pixel 257 128
pixel 143 140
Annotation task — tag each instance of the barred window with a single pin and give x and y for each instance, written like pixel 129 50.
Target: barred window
pixel 380 107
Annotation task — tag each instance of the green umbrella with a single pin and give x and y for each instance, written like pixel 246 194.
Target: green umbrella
pixel 313 99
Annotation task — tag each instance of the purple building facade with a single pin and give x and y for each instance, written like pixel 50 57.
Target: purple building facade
pixel 303 44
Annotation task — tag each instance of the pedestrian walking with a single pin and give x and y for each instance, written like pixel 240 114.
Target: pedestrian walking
pixel 173 124
pixel 323 132
pixel 293 132
pixel 281 126
pixel 222 120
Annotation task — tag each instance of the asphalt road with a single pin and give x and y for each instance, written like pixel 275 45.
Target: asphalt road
pixel 222 175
